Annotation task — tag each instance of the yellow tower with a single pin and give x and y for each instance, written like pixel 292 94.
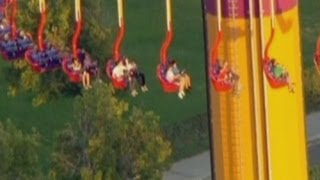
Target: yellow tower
pixel 258 129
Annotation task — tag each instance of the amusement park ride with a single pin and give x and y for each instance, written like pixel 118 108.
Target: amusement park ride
pixel 258 134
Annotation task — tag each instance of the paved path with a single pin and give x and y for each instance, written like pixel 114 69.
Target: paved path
pixel 198 167
pixel 314 154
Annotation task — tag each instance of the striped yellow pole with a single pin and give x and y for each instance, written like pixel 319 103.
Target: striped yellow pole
pixel 169 14
pixel 120 12
pixel 77 10
pixel 256 99
pixel 42 5
pixel 259 133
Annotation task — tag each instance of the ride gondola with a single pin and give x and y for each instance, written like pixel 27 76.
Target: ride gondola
pixel 120 84
pixel 45 57
pixel 68 61
pixel 15 43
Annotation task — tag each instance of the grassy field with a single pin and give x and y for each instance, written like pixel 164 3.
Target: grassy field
pixel 310 26
pixel 146 29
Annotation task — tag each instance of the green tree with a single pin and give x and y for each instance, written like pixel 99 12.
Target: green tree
pixel 311 89
pixel 19 153
pixel 59 30
pixel 315 173
pixel 109 141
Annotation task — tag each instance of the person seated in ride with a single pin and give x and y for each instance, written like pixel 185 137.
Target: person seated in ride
pixel 94 69
pixel 119 72
pixel 280 73
pixel 6 40
pixel 87 62
pixel 226 76
pixel 180 78
pixel 135 77
pixel 182 74
pixel 81 54
pixel 216 68
pixel 92 66
pixel 24 40
pixel 4 25
pixel 23 36
pixel 76 65
pixel 10 45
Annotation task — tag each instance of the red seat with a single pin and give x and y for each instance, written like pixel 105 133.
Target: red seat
pixel 121 85
pixel 74 77
pixel 168 87
pixel 220 86
pixel 274 82
pixel 35 66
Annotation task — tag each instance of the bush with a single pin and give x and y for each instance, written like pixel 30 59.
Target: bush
pixel 311 89
pixel 315 173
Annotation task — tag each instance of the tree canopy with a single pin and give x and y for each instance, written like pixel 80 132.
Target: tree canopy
pixel 19 153
pixel 110 140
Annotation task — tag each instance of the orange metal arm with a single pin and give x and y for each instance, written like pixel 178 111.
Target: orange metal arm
pixel 41 29
pixel 266 51
pixel 117 45
pixel 215 48
pixel 13 19
pixel 169 37
pixel 43 21
pixel 75 38
pixel 165 46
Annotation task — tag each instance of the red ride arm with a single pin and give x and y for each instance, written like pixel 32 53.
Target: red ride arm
pixel 165 46
pixel 215 48
pixel 266 50
pixel 41 29
pixel 13 20
pixel 117 45
pixel 75 38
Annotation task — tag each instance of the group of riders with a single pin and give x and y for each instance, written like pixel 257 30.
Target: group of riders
pixel 84 65
pixel 127 70
pixel 226 75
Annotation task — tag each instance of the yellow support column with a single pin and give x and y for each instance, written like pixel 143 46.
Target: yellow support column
pixel 258 133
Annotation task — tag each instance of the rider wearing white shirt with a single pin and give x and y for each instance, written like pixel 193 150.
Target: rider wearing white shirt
pixel 118 71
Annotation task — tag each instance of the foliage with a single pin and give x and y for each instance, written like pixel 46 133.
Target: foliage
pixel 110 141
pixel 315 173
pixel 19 153
pixel 311 89
pixel 58 30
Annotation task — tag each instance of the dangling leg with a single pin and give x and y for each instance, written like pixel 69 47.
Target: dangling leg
pixel 142 80
pixel 86 80
pixel 188 81
pixel 182 85
pixel 89 80
pixel 84 84
pixel 132 86
pixel 290 83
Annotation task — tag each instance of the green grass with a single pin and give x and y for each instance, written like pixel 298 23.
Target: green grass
pixel 310 29
pixel 46 119
pixel 146 28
